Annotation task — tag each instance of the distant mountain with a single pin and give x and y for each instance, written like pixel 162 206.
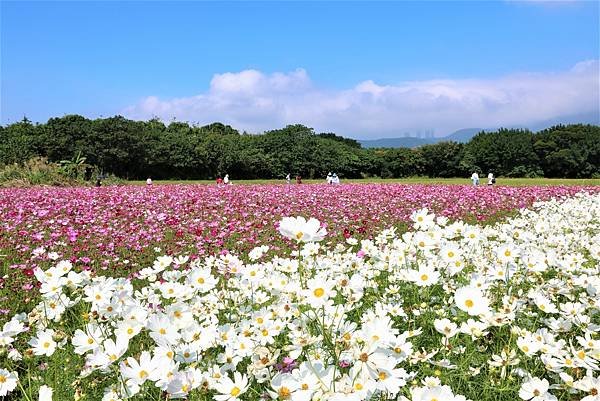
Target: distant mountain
pixel 582 118
pixel 402 142
pixel 462 135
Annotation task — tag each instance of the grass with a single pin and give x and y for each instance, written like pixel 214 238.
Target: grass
pixel 412 180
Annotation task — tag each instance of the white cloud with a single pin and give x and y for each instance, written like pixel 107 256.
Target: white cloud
pixel 254 101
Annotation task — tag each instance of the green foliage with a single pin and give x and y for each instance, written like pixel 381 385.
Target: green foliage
pixel 571 151
pixel 75 168
pixel 36 171
pixel 508 153
pixel 140 149
pixel 443 159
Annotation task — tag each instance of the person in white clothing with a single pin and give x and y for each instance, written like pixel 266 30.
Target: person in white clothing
pixel 149 181
pixel 226 179
pixel 491 179
pixel 475 178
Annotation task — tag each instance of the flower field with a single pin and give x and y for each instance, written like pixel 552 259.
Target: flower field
pixel 395 292
pixel 116 229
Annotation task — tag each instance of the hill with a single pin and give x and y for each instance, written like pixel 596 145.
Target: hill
pixel 462 135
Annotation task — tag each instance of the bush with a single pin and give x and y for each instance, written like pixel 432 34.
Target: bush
pixel 38 171
pixel 526 171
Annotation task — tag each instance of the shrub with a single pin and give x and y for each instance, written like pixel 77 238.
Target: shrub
pixel 39 171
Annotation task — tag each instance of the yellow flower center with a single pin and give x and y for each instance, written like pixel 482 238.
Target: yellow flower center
pixel 319 292
pixel 507 253
pixel 90 340
pixel 469 303
pixel 284 393
pixel 162 331
pixel 143 374
pixel 424 277
pixel 358 386
pixel 2 379
pixel 450 254
pixel 299 235
pixel 235 391
pixel 382 376
pixel 46 344
pixel 304 386
pixel 200 280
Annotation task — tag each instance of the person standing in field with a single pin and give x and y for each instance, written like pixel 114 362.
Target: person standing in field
pixel 226 179
pixel 329 178
pixel 288 178
pixel 298 179
pixel 491 179
pixel 475 178
pixel 149 181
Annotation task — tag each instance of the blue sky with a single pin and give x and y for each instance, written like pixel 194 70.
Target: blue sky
pixel 360 69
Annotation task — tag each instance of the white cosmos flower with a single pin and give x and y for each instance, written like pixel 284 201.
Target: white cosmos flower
pixel 44 343
pixel 87 341
pixel 441 393
pixel 284 386
pixel 426 275
pixel 445 327
pixel 536 390
pixel 231 390
pixel 471 300
pixel 45 393
pixel 8 381
pixel 591 386
pixel 319 290
pixel 139 372
pixel 301 230
pixel 422 219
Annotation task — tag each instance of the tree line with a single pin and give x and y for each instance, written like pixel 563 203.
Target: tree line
pixel 140 149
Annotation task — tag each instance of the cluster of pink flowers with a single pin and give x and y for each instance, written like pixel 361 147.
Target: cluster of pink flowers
pixel 118 228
